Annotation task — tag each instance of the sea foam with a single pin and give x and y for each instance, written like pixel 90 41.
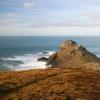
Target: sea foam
pixel 29 61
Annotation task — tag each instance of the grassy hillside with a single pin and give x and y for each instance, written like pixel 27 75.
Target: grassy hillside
pixel 50 84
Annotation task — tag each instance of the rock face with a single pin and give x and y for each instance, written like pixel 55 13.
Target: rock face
pixel 70 54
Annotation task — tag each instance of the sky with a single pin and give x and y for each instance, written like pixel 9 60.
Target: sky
pixel 49 17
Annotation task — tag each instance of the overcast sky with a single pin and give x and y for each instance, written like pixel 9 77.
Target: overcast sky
pixel 49 17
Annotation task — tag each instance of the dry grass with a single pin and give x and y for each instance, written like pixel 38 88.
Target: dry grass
pixel 50 84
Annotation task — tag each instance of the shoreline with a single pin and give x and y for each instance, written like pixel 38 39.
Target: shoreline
pixel 26 61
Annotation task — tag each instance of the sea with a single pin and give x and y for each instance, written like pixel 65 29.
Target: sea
pixel 22 52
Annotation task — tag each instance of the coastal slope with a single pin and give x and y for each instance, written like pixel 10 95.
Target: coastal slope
pixel 50 84
pixel 74 75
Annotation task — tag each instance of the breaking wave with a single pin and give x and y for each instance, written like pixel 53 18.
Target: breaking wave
pixel 26 61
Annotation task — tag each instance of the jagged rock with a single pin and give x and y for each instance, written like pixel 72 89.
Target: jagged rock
pixel 52 60
pixel 71 54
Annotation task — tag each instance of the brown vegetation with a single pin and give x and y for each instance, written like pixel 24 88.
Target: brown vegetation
pixel 50 84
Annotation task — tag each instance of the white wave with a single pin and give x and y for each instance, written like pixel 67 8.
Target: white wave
pixel 29 61
pixel 98 55
pixel 96 49
pixel 9 66
pixel 48 53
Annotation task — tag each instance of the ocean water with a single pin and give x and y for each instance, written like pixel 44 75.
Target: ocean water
pixel 21 53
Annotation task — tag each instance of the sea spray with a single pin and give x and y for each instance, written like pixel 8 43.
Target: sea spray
pixel 28 61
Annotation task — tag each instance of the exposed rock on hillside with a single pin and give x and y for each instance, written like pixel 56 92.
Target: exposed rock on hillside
pixel 71 54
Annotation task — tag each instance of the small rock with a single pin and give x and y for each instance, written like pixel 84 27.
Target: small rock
pixel 43 59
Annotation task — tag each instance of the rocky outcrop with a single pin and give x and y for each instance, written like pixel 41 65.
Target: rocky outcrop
pixel 60 83
pixel 71 55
